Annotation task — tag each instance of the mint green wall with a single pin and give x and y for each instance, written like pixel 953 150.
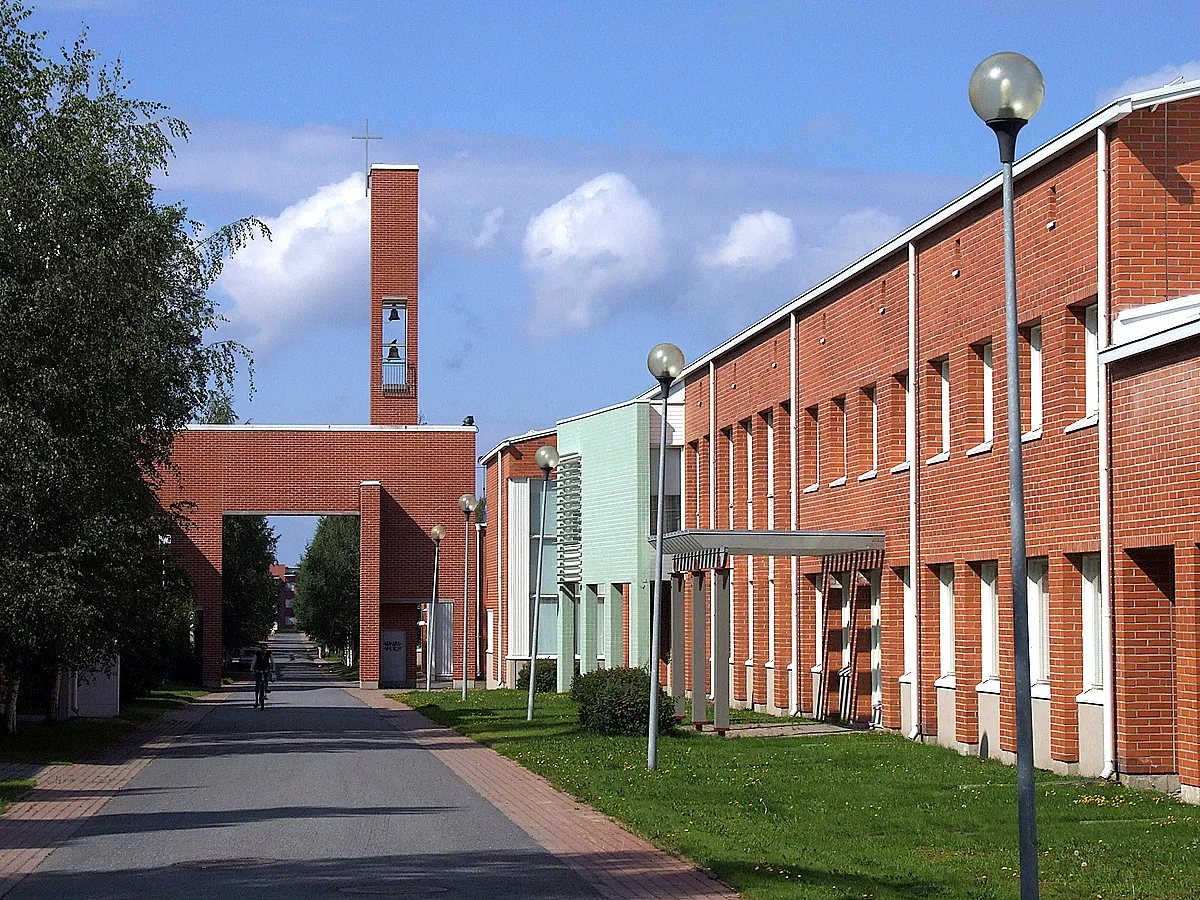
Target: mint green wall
pixel 615 462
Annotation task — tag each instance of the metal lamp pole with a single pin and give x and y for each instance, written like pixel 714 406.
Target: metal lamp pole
pixel 467 503
pixel 1006 90
pixel 437 532
pixel 547 459
pixel 665 362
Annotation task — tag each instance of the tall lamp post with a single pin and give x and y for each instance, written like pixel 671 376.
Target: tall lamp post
pixel 547 459
pixel 437 532
pixel 467 503
pixel 665 362
pixel 1006 90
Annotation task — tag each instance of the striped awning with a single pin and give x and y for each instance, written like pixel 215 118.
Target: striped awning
pixel 695 548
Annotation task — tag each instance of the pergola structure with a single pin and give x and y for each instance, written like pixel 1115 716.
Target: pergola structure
pixel 699 552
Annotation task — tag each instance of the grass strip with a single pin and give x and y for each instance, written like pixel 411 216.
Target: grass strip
pixel 72 740
pixel 833 817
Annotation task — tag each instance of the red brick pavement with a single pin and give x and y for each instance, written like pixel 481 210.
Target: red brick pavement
pixel 614 862
pixel 66 796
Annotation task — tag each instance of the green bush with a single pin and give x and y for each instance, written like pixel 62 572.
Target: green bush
pixel 547 677
pixel 617 701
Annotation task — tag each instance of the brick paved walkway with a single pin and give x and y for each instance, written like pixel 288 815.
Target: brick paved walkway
pixel 66 796
pixel 616 863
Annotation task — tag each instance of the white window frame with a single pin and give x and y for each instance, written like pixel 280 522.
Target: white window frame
pixel 839 403
pixel 1036 410
pixel 944 379
pixel 989 616
pixel 946 619
pixel 910 623
pixel 1039 624
pixel 871 392
pixel 989 392
pixel 1091 361
pixel 1093 622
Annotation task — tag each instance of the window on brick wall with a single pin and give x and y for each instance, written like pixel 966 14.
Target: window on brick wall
pixel 697 502
pixel 989 616
pixel 941 371
pixel 748 439
pixel 910 621
pixel 842 436
pixel 870 442
pixel 900 419
pixel 1039 622
pixel 1033 339
pixel 769 416
pixel 811 435
pixel 846 589
pixel 1091 366
pixel 945 575
pixel 1093 622
pixel 732 448
pixel 987 392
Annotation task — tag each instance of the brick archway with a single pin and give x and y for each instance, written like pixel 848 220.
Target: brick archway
pixel 398 477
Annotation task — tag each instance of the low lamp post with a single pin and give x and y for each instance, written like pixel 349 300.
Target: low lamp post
pixel 467 503
pixel 437 532
pixel 546 459
pixel 1006 90
pixel 665 363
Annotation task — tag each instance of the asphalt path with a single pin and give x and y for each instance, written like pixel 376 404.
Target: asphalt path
pixel 314 797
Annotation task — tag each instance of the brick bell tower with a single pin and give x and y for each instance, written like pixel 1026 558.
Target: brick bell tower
pixel 393 191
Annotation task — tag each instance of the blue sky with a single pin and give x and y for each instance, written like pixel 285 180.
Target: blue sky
pixel 595 177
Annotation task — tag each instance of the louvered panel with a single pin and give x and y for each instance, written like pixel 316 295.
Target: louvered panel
pixel 570 519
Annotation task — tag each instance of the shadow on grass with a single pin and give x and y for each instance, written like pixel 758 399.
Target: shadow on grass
pixel 745 875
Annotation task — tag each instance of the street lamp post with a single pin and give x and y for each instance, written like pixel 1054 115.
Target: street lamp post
pixel 467 503
pixel 437 532
pixel 547 459
pixel 1006 90
pixel 665 362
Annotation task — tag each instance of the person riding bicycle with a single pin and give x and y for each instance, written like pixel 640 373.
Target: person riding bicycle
pixel 264 663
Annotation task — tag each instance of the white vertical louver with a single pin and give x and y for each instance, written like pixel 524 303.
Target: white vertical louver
pixel 570 519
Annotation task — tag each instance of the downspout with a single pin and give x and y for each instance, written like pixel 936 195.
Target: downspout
pixel 793 391
pixel 712 445
pixel 910 449
pixel 1106 536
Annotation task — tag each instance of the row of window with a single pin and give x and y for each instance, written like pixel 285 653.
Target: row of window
pixel 1039 620
pixel 854 419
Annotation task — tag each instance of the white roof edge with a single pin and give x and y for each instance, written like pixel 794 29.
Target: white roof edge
pixel 204 426
pixel 1149 342
pixel 402 167
pixel 1113 112
pixel 515 439
pixel 595 412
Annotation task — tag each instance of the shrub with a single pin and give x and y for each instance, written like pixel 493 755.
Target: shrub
pixel 617 701
pixel 547 677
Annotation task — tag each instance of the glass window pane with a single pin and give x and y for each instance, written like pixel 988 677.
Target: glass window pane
pixel 548 626
pixel 535 507
pixel 549 566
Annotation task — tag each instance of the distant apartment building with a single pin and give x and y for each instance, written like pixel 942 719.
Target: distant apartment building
pixel 876 401
pixel 286 617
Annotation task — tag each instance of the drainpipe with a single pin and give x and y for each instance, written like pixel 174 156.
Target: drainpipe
pixel 1106 536
pixel 910 449
pixel 793 413
pixel 712 444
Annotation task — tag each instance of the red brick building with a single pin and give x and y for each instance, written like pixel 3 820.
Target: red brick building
pixel 399 478
pixel 876 401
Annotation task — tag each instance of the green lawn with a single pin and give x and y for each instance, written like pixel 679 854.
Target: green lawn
pixel 70 741
pixel 865 815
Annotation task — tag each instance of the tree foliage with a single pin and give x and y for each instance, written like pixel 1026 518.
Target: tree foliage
pixel 326 603
pixel 104 317
pixel 250 593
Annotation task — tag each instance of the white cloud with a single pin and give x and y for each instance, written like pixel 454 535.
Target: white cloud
pixel 489 230
pixel 589 251
pixel 756 243
pixel 312 273
pixel 1189 71
pixel 854 235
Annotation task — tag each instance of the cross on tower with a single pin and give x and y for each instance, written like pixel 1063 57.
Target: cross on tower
pixel 366 137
